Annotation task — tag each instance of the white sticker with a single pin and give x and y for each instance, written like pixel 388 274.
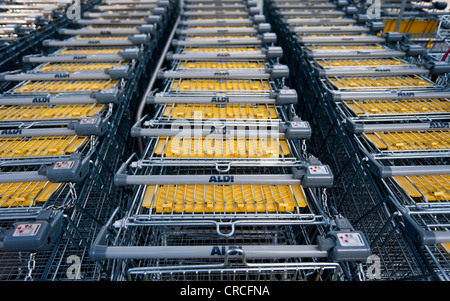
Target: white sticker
pixel 26 229
pixel 350 239
pixel 88 121
pixel 286 91
pixel 318 170
pixel 110 90
pixel 299 124
pixel 63 165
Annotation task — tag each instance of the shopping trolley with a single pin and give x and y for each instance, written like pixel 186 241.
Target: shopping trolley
pixel 212 187
pixel 208 257
pixel 91 54
pixel 228 83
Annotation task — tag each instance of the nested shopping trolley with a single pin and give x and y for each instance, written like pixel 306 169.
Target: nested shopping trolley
pixel 223 174
pixel 399 143
pixel 408 156
pixel 339 102
pixel 56 185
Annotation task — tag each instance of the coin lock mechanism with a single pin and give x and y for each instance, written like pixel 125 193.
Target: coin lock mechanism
pixel 314 174
pixel 74 169
pixel 34 235
pixel 345 244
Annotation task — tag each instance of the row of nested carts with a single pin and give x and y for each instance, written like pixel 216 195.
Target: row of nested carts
pixel 375 91
pixel 222 184
pixel 224 140
pixel 71 76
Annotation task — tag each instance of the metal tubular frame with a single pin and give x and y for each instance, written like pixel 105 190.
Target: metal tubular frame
pixel 137 228
pixel 406 239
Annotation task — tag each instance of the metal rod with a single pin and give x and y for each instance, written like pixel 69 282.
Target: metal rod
pixel 235 179
pixel 400 16
pixel 207 252
pixel 151 83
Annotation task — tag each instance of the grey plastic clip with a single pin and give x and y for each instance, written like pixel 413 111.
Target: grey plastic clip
pixel 75 170
pixel 362 18
pixel 287 96
pixel 298 129
pixel 349 246
pixel 91 126
pixel 438 67
pixel 269 38
pixel 146 28
pixel 279 71
pixel 119 72
pixel 314 175
pixel 351 10
pixel 413 50
pixel 259 19
pixel 253 11
pixel 345 244
pixel 139 39
pixel 252 3
pixel 154 19
pixel 264 27
pixel 392 37
pixel 376 26
pixel 341 3
pixel 131 54
pixel 274 52
pixel 35 235
pixel 105 96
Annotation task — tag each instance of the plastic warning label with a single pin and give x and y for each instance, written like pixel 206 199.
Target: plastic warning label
pixel 350 239
pixel 26 229
pixel 318 170
pixel 88 120
pixel 299 124
pixel 63 165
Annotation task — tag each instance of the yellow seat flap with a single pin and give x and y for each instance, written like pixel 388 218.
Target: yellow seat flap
pixel 20 147
pixel 26 194
pixel 223 199
pixel 176 147
pixel 220 112
pixel 426 188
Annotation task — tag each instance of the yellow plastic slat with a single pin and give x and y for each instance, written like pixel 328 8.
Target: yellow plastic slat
pixel 426 188
pixel 408 106
pixel 40 146
pixel 79 66
pixel 89 51
pixel 412 26
pixel 345 47
pixel 224 199
pixel 220 86
pixel 221 49
pixel 360 62
pixel 414 140
pixel 64 86
pixel 214 111
pixel 221 148
pixel 26 194
pixel 222 65
pixel 379 82
pixel 17 113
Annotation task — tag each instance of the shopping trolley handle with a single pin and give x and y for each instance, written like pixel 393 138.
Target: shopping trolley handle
pixel 312 174
pixel 429 125
pixel 421 236
pixel 384 171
